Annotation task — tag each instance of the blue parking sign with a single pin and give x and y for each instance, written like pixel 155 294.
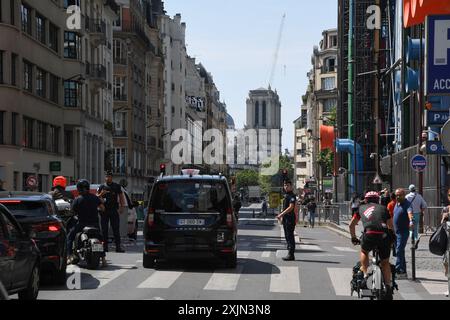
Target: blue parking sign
pixel 419 163
pixel 437 69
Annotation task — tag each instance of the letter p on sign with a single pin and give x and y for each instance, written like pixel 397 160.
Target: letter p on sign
pixel 441 42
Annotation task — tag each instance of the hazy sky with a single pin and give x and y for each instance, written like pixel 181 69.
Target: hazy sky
pixel 236 40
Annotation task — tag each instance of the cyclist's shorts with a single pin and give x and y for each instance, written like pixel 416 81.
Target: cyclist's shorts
pixel 381 242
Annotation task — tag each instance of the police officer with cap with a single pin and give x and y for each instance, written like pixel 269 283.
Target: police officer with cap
pixel 288 219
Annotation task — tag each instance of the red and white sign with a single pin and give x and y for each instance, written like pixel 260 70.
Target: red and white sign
pixel 32 181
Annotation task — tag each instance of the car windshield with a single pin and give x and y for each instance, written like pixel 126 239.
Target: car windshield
pixel 191 197
pixel 27 209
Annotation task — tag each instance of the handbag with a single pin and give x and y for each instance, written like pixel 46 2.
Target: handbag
pixel 439 241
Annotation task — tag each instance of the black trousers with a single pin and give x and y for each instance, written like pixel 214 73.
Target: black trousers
pixel 289 228
pixel 111 215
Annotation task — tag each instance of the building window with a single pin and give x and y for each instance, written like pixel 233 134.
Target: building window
pixel 40 29
pixel 120 123
pixel 264 114
pixel 72 45
pixel 329 105
pixel 1 126
pixel 72 94
pixel 41 81
pixel 119 52
pixel 68 3
pixel 12 11
pixel 26 18
pixel 13 69
pixel 68 143
pixel 1 67
pixel 53 37
pixel 54 88
pixel 329 65
pixel 120 156
pixel 329 83
pixel 41 137
pixel 14 117
pixel 257 113
pixel 120 88
pixel 27 76
pixel 27 134
pixel 54 139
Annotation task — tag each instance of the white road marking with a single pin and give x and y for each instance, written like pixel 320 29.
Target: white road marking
pixel 285 280
pixel 243 254
pixel 160 280
pixel 344 249
pixel 340 278
pixel 221 281
pixel 266 254
pixel 244 244
pixel 297 239
pixel 103 276
pixel 434 282
pixel 309 247
pixel 407 292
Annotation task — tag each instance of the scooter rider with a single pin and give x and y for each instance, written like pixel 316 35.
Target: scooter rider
pixel 59 189
pixel 378 234
pixel 86 207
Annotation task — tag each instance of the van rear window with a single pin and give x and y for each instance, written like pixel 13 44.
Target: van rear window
pixel 191 197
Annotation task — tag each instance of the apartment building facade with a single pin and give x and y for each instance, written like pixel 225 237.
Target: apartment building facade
pixel 138 99
pixel 55 91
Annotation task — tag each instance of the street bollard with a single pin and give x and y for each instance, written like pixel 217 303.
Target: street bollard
pixel 413 257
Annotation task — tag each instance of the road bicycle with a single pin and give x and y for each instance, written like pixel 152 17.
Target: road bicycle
pixel 376 288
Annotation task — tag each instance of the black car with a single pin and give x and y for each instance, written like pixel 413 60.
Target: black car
pixel 19 259
pixel 36 212
pixel 190 217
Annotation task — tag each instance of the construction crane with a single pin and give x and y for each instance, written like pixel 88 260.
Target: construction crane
pixel 277 50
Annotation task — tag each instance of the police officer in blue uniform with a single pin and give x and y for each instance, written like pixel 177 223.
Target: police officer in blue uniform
pixel 288 219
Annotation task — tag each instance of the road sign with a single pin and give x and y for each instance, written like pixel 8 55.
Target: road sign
pixel 55 166
pixel 445 136
pixel 438 118
pixel 437 66
pixel 436 147
pixel 32 181
pixel 419 163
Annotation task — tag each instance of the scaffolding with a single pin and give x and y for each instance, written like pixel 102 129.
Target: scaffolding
pixel 370 91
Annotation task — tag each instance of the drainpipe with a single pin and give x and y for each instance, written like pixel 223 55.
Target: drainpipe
pixel 351 135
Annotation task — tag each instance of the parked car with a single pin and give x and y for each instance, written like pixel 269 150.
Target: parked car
pixel 36 213
pixel 190 217
pixel 19 260
pixel 131 217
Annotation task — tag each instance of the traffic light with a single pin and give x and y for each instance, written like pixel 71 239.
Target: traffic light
pixel 162 169
pixel 412 77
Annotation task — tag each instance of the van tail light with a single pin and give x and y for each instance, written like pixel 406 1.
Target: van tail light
pixel 230 222
pixel 48 227
pixel 151 217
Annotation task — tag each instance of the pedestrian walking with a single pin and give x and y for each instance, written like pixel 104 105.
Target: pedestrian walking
pixel 355 203
pixel 403 223
pixel 288 219
pixel 264 207
pixel 445 219
pixel 418 205
pixel 391 205
pixel 237 205
pixel 385 197
pixel 312 206
pixel 113 197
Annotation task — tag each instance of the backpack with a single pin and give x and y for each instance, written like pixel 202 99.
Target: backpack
pixel 439 241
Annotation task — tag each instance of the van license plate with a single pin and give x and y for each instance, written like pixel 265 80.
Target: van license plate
pixel 191 222
pixel 97 247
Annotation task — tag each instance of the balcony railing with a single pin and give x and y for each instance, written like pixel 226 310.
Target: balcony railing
pixel 120 133
pixel 95 26
pixel 120 97
pixel 128 26
pixel 96 72
pixel 120 61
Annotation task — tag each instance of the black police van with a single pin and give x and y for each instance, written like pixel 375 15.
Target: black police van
pixel 190 216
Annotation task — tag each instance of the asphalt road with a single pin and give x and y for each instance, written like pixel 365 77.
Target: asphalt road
pixel 322 271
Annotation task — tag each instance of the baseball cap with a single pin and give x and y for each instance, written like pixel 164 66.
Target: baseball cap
pixel 412 188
